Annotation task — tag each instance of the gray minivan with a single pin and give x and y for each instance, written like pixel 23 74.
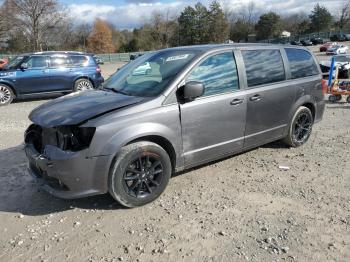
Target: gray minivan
pixel 171 110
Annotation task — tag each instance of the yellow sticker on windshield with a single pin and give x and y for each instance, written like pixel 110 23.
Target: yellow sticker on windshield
pixel 178 57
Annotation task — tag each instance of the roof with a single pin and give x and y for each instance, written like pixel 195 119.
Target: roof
pixel 56 52
pixel 211 47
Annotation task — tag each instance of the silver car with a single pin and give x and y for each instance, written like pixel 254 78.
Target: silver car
pixel 195 105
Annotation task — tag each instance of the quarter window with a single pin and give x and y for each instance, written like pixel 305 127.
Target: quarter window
pixel 263 67
pixel 218 73
pixel 301 63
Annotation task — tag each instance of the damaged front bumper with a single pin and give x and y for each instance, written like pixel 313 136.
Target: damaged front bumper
pixel 67 174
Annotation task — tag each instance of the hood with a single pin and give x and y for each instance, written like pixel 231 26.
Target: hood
pixel 76 108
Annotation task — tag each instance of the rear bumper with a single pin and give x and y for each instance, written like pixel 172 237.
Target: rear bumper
pixel 68 175
pixel 98 81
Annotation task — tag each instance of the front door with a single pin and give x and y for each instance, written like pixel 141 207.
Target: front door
pixel 35 78
pixel 269 96
pixel 213 125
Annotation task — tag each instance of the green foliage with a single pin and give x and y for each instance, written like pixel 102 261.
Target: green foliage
pixel 321 18
pixel 218 24
pixel 269 25
pixel 199 25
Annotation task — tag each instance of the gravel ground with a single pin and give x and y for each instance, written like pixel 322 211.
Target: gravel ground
pixel 242 208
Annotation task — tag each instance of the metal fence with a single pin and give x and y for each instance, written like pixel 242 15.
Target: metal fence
pixel 125 57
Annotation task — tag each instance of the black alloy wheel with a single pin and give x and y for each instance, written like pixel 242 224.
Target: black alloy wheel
pixel 140 173
pixel 302 128
pixel 143 175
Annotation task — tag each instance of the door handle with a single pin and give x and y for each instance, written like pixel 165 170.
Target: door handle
pixel 255 98
pixel 236 102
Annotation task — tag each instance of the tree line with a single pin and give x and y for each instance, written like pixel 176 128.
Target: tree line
pixel 36 25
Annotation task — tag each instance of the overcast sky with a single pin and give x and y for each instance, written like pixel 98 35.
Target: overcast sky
pixel 131 13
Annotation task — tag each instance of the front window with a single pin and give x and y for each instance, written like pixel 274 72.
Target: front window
pixel 15 62
pixel 37 62
pixel 150 75
pixel 218 73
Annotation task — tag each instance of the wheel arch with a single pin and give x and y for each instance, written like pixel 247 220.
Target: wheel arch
pixel 306 101
pixel 162 142
pixel 312 108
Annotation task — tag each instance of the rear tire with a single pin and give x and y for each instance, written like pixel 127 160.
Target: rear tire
pixel 332 98
pixel 83 84
pixel 348 99
pixel 140 174
pixel 6 95
pixel 300 128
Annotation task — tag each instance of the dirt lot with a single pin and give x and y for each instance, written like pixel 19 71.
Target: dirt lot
pixel 242 208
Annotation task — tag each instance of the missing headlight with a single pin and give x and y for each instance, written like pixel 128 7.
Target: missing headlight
pixel 74 138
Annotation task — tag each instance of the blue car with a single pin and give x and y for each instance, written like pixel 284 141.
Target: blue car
pixel 29 75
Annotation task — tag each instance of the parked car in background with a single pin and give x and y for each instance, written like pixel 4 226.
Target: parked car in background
pixel 325 46
pixel 341 61
pixel 3 63
pixel 317 41
pixel 134 56
pixel 306 42
pixel 295 42
pixel 198 104
pixel 340 37
pixel 48 72
pixel 337 50
pixel 144 69
pixel 99 60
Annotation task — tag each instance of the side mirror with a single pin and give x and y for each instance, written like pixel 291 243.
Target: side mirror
pixel 24 66
pixel 193 89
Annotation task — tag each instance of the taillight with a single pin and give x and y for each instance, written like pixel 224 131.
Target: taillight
pixel 324 86
pixel 98 69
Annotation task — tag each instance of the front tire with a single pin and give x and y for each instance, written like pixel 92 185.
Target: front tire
pixel 300 128
pixel 83 84
pixel 6 95
pixel 140 174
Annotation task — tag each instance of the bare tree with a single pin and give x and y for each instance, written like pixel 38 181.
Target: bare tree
pixel 296 23
pixel 35 18
pixel 344 15
pixel 242 22
pixel 4 18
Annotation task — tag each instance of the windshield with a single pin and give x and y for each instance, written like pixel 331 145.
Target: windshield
pixel 15 62
pixel 150 74
pixel 342 58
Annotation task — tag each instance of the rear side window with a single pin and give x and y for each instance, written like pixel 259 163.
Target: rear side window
pixel 58 61
pixel 263 67
pixel 218 73
pixel 79 60
pixel 301 63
